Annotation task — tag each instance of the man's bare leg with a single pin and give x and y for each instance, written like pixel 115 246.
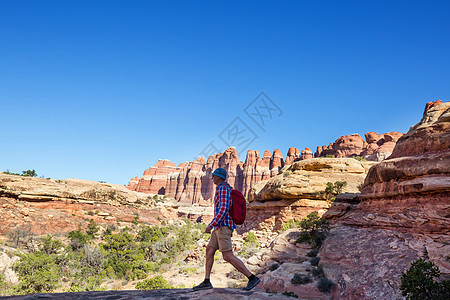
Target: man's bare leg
pixel 210 251
pixel 236 262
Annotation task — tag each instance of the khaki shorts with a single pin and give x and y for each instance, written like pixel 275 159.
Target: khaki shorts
pixel 221 239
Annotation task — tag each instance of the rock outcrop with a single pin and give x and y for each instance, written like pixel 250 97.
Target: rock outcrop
pixel 376 147
pixel 44 206
pixel 403 214
pixel 175 294
pixel 299 190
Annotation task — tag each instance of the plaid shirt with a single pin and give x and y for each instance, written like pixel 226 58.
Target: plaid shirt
pixel 222 204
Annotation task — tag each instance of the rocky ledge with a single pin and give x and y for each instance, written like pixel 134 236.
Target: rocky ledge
pixel 179 294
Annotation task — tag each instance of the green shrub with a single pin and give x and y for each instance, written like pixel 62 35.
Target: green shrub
pixel 274 266
pixel 250 240
pixel 420 282
pixel 77 239
pixel 155 283
pixel 315 261
pixel 249 246
pixel 290 224
pixel 31 173
pixel 325 285
pixel 359 158
pixel 329 156
pixel 92 229
pixel 3 284
pixel 299 279
pixel 314 230
pixel 317 271
pixel 38 273
pixel 333 189
pixel 290 294
pixel 50 245
pixel 312 253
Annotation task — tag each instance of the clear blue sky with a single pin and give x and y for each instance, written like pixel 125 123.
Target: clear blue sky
pixel 100 90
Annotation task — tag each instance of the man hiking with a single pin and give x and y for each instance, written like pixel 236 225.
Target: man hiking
pixel 221 236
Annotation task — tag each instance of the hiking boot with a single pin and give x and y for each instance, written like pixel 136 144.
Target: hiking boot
pixel 252 283
pixel 203 286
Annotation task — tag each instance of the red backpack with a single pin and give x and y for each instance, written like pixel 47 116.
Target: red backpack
pixel 238 207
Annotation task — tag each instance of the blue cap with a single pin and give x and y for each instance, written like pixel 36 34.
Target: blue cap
pixel 221 173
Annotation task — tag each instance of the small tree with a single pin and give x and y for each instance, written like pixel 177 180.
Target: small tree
pixel 314 229
pixel 419 282
pixel 333 189
pixel 30 173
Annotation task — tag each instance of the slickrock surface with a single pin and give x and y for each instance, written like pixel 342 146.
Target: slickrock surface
pixel 403 214
pixel 376 147
pixel 179 294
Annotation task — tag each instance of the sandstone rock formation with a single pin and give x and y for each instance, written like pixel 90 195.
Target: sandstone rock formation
pixel 299 190
pixel 191 182
pixel 307 179
pixel 403 214
pixel 42 206
pixel 376 147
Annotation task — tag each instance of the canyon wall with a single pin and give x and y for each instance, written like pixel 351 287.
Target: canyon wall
pixel 190 182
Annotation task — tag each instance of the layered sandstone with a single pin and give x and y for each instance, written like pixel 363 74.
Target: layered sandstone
pixel 307 179
pixel 403 214
pixel 376 147
pixel 299 190
pixel 43 206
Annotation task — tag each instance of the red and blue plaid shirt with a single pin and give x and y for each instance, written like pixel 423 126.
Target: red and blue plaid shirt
pixel 222 204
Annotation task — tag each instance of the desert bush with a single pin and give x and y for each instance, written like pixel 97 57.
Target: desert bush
pixel 155 283
pixel 22 238
pixel 38 273
pixel 317 271
pixel 86 284
pixel 290 294
pixel 359 158
pixel 325 285
pixel 299 279
pixel 333 189
pixel 30 173
pixel 251 241
pixel 78 239
pixel 188 270
pixel 420 282
pixel 92 229
pixel 3 284
pixel 312 253
pixel 274 266
pixel 315 261
pixel 290 224
pixel 50 245
pixel 314 230
pixel 92 259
